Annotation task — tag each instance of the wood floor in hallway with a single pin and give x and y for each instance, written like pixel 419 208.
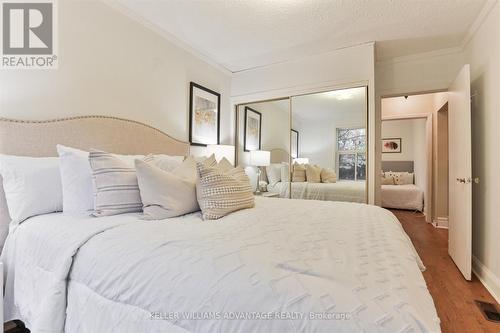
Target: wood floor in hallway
pixel 453 295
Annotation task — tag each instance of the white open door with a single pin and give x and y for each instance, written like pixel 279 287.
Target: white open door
pixel 460 173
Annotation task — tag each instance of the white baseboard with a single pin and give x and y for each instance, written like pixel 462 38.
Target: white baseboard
pixel 440 222
pixel 489 280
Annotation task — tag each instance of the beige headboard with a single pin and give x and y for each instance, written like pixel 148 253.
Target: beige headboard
pixel 121 136
pixel 279 155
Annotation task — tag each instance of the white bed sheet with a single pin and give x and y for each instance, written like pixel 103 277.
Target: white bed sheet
pixel 109 274
pixel 349 191
pixel 409 197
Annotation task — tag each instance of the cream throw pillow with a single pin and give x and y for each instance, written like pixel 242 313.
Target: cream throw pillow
pixel 299 173
pixel 221 193
pixel 328 176
pixel 163 193
pixel 387 180
pixel 313 173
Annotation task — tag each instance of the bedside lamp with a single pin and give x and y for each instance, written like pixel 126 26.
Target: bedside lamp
pixel 259 158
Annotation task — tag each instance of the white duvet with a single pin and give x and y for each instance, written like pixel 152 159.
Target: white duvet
pixel 267 269
pixel 402 197
pixel 350 191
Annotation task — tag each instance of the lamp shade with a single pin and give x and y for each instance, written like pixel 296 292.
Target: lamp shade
pixel 260 158
pixel 221 151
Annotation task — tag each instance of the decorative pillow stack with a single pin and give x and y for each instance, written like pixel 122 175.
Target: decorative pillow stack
pixel 400 178
pixel 223 192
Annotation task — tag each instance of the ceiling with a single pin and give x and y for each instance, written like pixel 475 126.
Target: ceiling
pixel 333 105
pixel 240 35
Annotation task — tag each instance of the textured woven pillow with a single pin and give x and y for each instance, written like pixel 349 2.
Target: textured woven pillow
pixel 328 176
pixel 313 173
pixel 222 192
pixel 163 193
pixel 115 181
pixel 299 173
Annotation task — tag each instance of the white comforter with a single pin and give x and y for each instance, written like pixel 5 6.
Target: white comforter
pixel 402 197
pixel 350 191
pixel 289 258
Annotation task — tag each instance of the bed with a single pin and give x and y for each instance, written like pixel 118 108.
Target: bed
pixel 283 266
pixel 408 196
pixel 350 191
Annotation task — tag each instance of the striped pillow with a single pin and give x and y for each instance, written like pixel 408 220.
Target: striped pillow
pixel 115 185
pixel 223 192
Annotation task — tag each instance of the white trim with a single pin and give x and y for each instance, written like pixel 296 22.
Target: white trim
pixel 474 27
pixel 419 56
pixel 165 35
pixel 489 280
pixel 441 223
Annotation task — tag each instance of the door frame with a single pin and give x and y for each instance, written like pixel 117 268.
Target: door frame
pixel 429 131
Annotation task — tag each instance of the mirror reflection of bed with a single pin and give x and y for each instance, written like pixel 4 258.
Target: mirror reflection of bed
pixel 329 146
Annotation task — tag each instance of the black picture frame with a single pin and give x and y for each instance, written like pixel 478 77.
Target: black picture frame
pixel 295 132
pixel 398 141
pixel 249 110
pixel 192 87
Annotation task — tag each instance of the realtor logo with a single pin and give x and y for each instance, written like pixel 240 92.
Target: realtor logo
pixel 28 34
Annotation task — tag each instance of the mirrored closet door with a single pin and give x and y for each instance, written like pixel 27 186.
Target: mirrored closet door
pixel 263 146
pixel 329 144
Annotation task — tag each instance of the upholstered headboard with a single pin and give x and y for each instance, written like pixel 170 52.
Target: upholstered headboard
pixel 398 166
pixel 279 155
pixel 121 136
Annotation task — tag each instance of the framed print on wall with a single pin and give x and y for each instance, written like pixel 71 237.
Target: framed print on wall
pixel 391 145
pixel 295 143
pixel 204 116
pixel 252 129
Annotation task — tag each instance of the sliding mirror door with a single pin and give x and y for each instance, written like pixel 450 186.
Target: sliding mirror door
pixel 263 146
pixel 329 144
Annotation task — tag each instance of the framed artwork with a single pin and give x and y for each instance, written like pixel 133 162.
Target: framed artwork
pixel 295 143
pixel 391 145
pixel 253 128
pixel 204 116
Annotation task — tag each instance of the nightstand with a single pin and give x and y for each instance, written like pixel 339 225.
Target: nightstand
pixel 268 195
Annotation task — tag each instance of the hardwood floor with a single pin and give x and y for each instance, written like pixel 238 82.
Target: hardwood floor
pixel 453 295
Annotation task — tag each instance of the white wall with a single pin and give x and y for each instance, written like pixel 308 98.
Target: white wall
pixel 111 65
pixel 347 67
pixel 483 54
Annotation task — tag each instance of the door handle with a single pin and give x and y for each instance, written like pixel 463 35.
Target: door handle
pixel 468 180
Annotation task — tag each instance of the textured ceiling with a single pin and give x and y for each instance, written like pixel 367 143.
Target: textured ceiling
pixel 243 34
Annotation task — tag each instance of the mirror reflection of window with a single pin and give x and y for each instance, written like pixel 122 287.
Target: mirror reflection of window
pixel 351 153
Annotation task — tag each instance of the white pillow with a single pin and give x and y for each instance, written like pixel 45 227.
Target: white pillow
pixel 32 186
pixel 167 162
pixel 76 178
pixel 285 172
pixel 273 172
pixel 164 194
pixel 4 216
